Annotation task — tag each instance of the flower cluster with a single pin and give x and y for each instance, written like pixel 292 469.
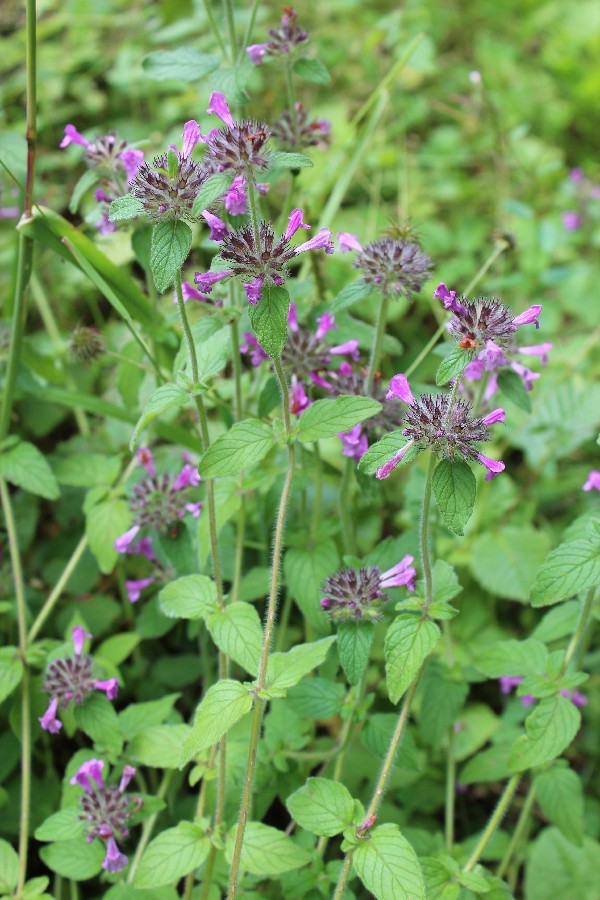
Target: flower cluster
pixel 116 163
pixel 352 595
pixel 167 188
pixel 585 190
pixel 283 40
pixel 508 682
pixel 157 502
pixel 298 131
pixel 106 809
pixel 448 429
pixel 396 265
pixel 487 327
pixel 71 680
pixel 260 257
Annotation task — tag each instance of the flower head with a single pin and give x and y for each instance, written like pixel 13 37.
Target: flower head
pixel 354 442
pixel 358 595
pixel 307 355
pixel 237 146
pixel 168 191
pixel 301 131
pixel 397 266
pixel 283 40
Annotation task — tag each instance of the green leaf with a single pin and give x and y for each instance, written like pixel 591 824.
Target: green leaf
pixel 212 190
pixel 305 571
pixel 9 867
pixel 24 465
pixel 511 385
pixel 63 825
pixel 167 396
pixel 36 887
pixel 325 418
pixel 352 293
pixel 377 735
pixel 440 882
pixel 159 746
pixel 568 569
pixel 117 648
pixel 322 807
pixel 127 207
pixel 455 490
pixel 87 180
pixel 137 717
pixel 236 630
pixel 183 64
pixel 174 853
pixel 317 698
pixel 445 582
pixel 87 470
pixel 97 717
pixel 560 794
pixel 388 866
pixel 452 365
pixel 408 642
pixel 189 597
pixel 489 765
pixel 354 645
pixel 244 445
pixel 269 319
pixel 312 70
pixel 267 851
pixel 383 450
pixel 104 523
pixel 284 670
pixel 505 561
pixel 74 859
pixel 557 869
pixel 223 705
pixel 477 724
pixel 171 242
pixel 11 671
pixel 443 696
pixel 512 658
pixel 279 159
pixel 558 622
pixel 550 728
pixel 122 890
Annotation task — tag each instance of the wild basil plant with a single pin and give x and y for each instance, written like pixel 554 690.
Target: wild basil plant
pixel 274 663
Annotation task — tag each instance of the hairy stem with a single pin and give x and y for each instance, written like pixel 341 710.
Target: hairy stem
pixel 518 832
pixel 377 344
pixel 424 533
pixel 148 826
pixel 228 10
pixel 214 27
pixel 17 571
pixel 259 704
pixel 346 518
pixel 248 31
pixel 493 823
pixel 291 97
pixel 580 629
pixel 58 589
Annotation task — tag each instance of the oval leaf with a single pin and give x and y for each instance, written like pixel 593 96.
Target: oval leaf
pixel 171 855
pixel 408 643
pixel 245 444
pixel 354 644
pixel 455 490
pixel 269 318
pixel 452 365
pixel 322 807
pixel 167 396
pixel 224 704
pixel 326 418
pixel 171 242
pixel 189 597
pixel 388 866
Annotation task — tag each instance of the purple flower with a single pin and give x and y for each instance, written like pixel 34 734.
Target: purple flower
pixel 128 773
pixel 348 242
pixel 114 860
pixel 298 397
pixel 347 348
pixel 132 160
pixel 104 225
pixel 166 192
pixel 400 389
pixel 188 477
pixel 403 574
pixel 526 374
pixel 498 415
pixel 540 350
pixel 191 136
pixel 194 509
pixel 235 200
pixel 575 697
pixel 508 682
pixel 145 458
pixel 387 468
pixel 207 281
pixel 254 290
pixel 321 241
pixel 257 52
pixel 576 175
pixel 79 636
pixel 251 346
pixel 123 542
pixel 593 481
pixel 134 588
pixel 354 442
pixel 295 222
pixel 143 547
pixel 300 130
pixel 90 769
pixel 72 136
pixel 448 299
pixel 326 323
pixel 493 466
pixel 219 106
pixel 48 721
pixel 492 356
pixel 571 220
pixel 530 315
pixel 110 687
pixel 218 228
pixel 188 292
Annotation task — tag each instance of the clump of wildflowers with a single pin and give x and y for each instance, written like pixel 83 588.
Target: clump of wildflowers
pixel 116 163
pixel 158 502
pixel 71 680
pixel 283 42
pixel 397 265
pixel 352 595
pixel 262 258
pixel 301 131
pixel 448 428
pixel 487 327
pixel 167 188
pixel 106 809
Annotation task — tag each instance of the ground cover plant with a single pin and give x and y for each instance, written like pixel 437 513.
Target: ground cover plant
pixel 300 533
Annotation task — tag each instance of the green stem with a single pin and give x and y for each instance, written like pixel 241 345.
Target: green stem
pixel 318 486
pixel 518 832
pixel 424 533
pixel 239 551
pixel 17 326
pixel 57 589
pixel 291 98
pixel 450 791
pixel 238 409
pixel 347 520
pixel 148 826
pixel 259 704
pixel 17 571
pixel 377 344
pixel 580 629
pixel 228 10
pixel 253 211
pixel 214 27
pixel 494 822
pixel 248 31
